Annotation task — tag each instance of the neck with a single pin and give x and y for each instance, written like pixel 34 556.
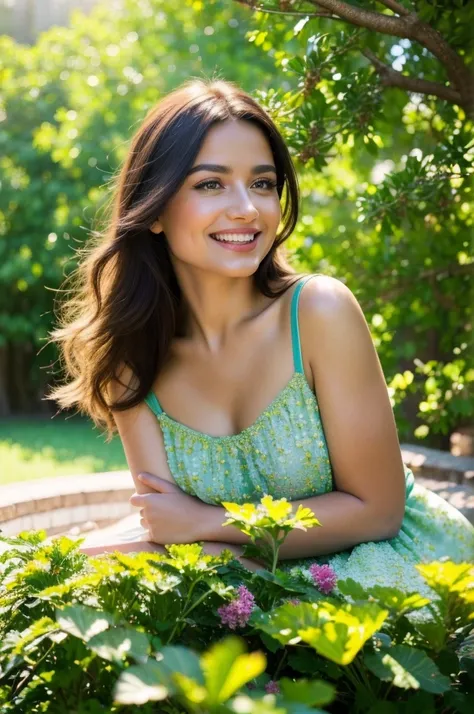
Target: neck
pixel 213 309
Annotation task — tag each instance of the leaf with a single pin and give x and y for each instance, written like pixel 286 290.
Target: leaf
pixel 398 601
pixel 353 589
pixel 119 642
pixel 282 579
pixel 343 636
pixel 336 631
pixel 408 668
pixel 277 510
pixel 315 693
pixel 447 576
pixel 82 621
pixel 434 632
pixel 140 684
pixel 178 659
pixel 383 707
pixel 227 668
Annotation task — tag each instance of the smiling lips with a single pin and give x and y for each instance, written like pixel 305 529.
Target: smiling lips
pixel 236 235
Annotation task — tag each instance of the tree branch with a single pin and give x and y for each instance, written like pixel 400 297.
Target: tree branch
pixel 399 289
pixel 390 77
pixel 412 28
pixel 407 26
pixel 395 6
pixel 291 13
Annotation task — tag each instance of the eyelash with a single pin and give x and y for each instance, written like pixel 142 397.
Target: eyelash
pixel 271 184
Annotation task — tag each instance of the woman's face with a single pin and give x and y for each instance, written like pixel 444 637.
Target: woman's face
pixel 238 194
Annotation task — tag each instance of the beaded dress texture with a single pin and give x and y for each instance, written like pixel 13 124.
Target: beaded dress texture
pixel 284 453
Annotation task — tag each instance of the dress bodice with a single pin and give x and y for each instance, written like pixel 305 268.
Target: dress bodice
pixel 283 453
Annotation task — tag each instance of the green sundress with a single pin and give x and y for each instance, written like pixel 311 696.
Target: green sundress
pixel 284 453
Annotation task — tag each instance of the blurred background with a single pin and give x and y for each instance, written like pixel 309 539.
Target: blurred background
pixel 380 130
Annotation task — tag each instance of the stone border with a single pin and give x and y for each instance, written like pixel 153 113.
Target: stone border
pixel 436 464
pixel 58 504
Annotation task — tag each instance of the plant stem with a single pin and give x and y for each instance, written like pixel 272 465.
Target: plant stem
pixel 280 664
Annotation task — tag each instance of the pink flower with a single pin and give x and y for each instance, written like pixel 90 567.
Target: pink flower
pixel 324 577
pixel 272 687
pixel 237 612
pixel 294 601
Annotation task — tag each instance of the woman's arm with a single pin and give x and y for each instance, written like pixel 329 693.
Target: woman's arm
pixel 142 546
pixel 360 431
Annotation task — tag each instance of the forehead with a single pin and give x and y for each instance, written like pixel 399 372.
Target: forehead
pixel 235 142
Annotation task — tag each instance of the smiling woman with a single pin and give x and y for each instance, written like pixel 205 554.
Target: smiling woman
pixel 226 374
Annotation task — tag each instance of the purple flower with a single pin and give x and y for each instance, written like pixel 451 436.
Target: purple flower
pixel 324 577
pixel 294 601
pixel 237 612
pixel 272 687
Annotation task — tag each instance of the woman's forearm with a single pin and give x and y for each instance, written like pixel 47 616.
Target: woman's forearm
pixel 141 546
pixel 345 519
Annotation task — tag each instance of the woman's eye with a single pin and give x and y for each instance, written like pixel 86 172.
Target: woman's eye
pixel 207 185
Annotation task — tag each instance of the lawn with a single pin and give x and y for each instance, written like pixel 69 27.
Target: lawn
pixel 44 447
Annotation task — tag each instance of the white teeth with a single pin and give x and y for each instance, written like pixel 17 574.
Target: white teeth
pixel 234 237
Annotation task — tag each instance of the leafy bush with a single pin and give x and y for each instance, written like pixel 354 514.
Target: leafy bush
pixel 190 632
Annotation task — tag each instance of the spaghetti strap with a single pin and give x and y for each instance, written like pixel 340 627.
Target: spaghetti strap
pixel 295 332
pixel 151 398
pixel 153 403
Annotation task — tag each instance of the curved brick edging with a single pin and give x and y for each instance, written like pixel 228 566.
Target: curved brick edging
pixel 58 504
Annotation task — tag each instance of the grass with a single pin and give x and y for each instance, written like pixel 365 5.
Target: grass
pixel 44 448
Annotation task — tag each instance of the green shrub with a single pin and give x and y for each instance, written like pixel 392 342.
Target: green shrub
pixel 189 632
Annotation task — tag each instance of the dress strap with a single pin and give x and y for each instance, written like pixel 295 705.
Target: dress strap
pixel 295 332
pixel 153 403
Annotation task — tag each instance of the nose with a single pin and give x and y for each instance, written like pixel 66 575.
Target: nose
pixel 242 206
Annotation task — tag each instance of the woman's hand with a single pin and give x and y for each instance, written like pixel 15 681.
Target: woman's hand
pixel 167 513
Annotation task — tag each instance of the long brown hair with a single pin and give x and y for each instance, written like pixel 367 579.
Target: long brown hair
pixel 126 300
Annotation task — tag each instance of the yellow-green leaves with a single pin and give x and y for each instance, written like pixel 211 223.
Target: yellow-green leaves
pixel 227 668
pixel 208 682
pixel 336 631
pixel 269 521
pixel 269 514
pixel 454 583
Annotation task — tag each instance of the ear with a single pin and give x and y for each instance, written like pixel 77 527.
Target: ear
pixel 156 227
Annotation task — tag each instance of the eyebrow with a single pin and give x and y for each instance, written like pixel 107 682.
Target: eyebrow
pixel 219 168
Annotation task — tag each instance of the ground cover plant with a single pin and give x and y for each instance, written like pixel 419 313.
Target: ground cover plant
pixel 189 632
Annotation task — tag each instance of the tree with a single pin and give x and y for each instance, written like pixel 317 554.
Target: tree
pixel 380 124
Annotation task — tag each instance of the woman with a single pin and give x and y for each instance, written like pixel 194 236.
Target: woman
pixel 228 375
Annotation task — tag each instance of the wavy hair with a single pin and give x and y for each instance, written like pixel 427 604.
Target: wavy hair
pixel 125 306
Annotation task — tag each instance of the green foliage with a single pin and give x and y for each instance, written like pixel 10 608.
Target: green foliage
pixel 387 188
pixel 386 174
pixel 144 632
pixel 268 523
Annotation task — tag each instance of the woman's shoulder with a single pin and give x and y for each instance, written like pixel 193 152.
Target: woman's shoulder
pixel 123 385
pixel 325 297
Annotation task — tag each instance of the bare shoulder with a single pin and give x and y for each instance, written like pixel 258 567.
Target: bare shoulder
pixel 325 298
pixel 331 319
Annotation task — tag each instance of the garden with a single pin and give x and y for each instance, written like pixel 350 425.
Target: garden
pixel 189 632
pixel 375 100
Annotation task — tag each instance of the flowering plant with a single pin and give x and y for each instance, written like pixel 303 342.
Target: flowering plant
pixel 148 633
pixel 268 523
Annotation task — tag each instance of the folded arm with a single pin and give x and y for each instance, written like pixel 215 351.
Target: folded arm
pixel 369 501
